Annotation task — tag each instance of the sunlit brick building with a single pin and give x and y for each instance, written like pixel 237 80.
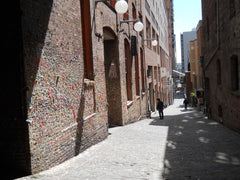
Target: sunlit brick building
pixel 158 58
pixel 195 57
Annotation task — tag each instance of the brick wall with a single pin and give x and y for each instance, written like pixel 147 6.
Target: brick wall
pixel 221 42
pixel 121 111
pixel 69 113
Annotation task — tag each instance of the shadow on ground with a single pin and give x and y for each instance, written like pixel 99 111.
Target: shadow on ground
pixel 199 148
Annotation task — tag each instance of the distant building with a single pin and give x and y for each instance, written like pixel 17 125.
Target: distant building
pixel 157 20
pixel 221 22
pixel 195 54
pixel 186 37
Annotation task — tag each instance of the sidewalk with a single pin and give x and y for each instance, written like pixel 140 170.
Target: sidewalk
pixel 185 145
pixel 135 151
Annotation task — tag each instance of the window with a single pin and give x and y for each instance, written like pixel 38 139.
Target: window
pixel 147 7
pixel 153 37
pixel 142 70
pixel 148 32
pixel 137 75
pixel 208 31
pixel 128 65
pixel 234 73
pixel 134 12
pixel 232 8
pixel 141 19
pixel 149 72
pixel 155 73
pixel 126 16
pixel 113 2
pixel 219 73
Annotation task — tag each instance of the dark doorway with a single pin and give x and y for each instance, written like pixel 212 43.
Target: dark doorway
pixel 14 138
pixel 207 96
pixel 151 97
pixel 112 76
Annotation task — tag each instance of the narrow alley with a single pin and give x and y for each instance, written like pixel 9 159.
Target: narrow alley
pixel 185 145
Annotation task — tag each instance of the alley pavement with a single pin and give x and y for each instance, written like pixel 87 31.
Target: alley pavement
pixel 184 145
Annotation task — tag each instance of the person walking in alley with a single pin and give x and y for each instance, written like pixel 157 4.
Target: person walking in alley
pixel 160 108
pixel 185 103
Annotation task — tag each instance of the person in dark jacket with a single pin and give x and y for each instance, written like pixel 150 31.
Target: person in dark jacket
pixel 185 103
pixel 160 107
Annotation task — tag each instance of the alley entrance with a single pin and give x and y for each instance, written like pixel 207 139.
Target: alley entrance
pixel 112 77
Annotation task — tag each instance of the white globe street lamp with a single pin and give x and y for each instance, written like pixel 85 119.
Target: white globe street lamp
pixel 138 26
pixel 121 6
pixel 154 43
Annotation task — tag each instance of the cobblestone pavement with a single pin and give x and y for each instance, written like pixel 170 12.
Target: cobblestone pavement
pixel 185 145
pixel 198 148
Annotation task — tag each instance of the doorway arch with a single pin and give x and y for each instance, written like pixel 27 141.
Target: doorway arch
pixel 112 77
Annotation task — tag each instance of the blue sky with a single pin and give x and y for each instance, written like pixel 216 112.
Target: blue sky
pixel 187 13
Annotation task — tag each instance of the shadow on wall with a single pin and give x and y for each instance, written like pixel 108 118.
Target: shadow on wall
pixel 80 120
pixel 26 25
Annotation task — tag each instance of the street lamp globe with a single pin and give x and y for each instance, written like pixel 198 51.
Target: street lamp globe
pixel 121 6
pixel 138 26
pixel 154 43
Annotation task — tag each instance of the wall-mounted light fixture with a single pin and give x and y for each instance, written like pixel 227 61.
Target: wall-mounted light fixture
pixel 138 26
pixel 121 6
pixel 154 41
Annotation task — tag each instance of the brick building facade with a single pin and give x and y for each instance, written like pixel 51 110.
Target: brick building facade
pixel 76 69
pixel 221 29
pixel 68 80
pixel 158 20
pixel 195 56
